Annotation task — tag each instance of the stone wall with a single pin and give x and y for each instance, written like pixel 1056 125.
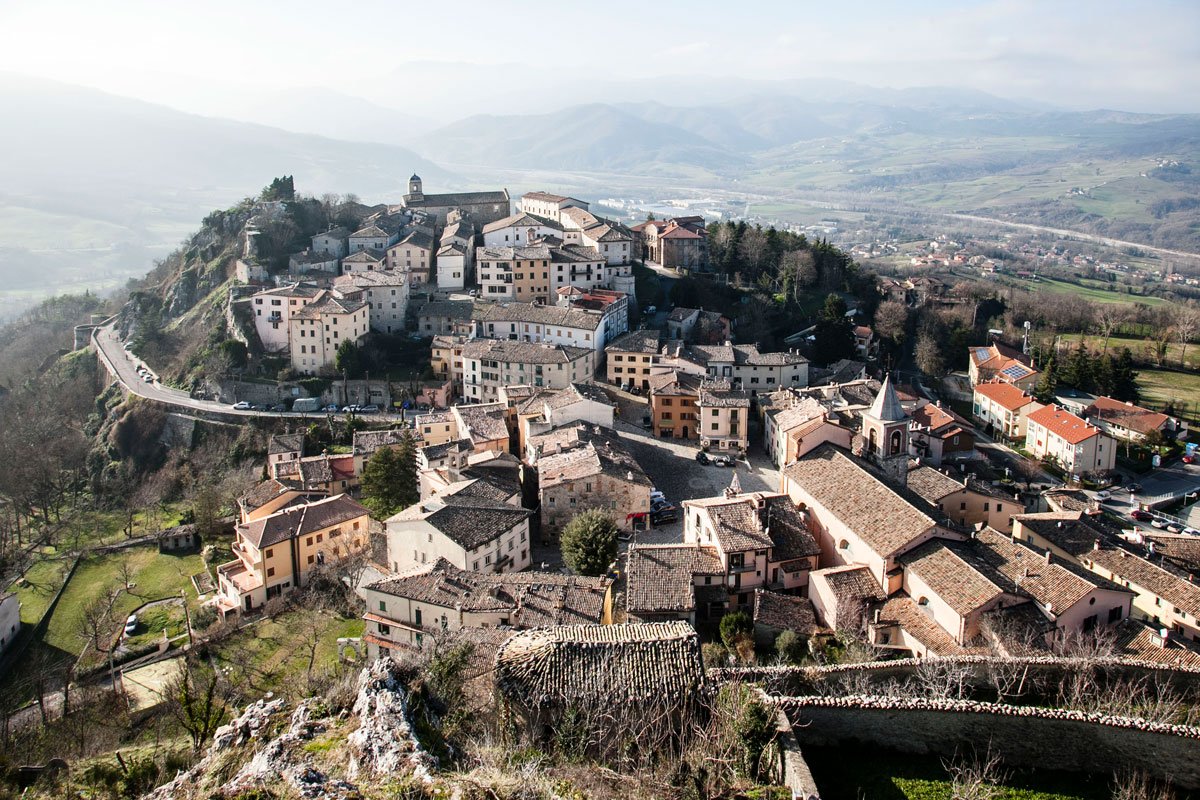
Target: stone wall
pixel 803 680
pixel 1076 741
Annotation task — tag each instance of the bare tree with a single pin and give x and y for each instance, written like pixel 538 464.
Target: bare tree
pixel 199 699
pixel 891 320
pixel 1187 325
pixel 942 679
pixel 929 356
pixel 1108 317
pixel 126 572
pixel 1136 784
pixel 98 619
pixel 976 778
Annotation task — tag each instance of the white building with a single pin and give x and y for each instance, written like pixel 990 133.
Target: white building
pixel 519 230
pixel 368 260
pixel 489 364
pixel 548 206
pixel 470 531
pixel 531 322
pixel 318 329
pixel 385 293
pixel 273 310
pixel 371 237
pixel 10 620
pixel 1074 444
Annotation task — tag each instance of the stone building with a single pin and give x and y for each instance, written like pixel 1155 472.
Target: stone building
pixel 483 207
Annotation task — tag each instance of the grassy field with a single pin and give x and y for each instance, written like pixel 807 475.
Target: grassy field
pixel 1140 348
pixel 36 589
pixel 155 575
pixel 1157 387
pixel 850 773
pixel 273 654
pixel 1092 293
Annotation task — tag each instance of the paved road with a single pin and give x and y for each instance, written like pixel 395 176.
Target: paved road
pixel 124 364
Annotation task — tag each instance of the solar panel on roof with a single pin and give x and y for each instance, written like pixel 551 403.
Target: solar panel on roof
pixel 982 353
pixel 1015 371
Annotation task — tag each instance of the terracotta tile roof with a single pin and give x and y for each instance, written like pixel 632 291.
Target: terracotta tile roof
pixel 852 583
pixel 468 521
pixel 1055 584
pixel 266 491
pixel 601 664
pixel 297 521
pixel 1005 395
pixel 785 612
pixel 530 599
pixel 852 493
pixel 659 578
pixel 1137 640
pixel 643 341
pixel 537 314
pixel 932 484
pixel 286 443
pixel 514 352
pixel 1070 531
pixel 1181 549
pixel 1146 577
pixel 601 454
pixel 546 197
pixel 1126 415
pixel 901 610
pixel 954 574
pixel 367 442
pixel 1063 424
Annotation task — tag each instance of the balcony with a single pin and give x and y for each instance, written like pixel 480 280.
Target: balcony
pixel 238 577
pixel 735 569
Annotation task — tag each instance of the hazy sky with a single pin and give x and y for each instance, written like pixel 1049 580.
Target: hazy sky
pixel 1137 55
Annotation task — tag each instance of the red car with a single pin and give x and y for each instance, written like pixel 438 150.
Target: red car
pixel 1189 459
pixel 1140 515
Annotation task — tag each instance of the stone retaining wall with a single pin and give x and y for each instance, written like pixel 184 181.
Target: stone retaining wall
pixel 1077 741
pixel 802 680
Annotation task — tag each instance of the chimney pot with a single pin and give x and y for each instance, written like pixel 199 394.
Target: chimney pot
pixel 1047 556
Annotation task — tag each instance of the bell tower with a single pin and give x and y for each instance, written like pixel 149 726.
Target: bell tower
pixel 885 432
pixel 414 188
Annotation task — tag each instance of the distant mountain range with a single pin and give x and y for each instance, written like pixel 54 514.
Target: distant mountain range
pixel 95 186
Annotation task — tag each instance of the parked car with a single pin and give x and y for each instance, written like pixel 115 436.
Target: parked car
pixel 1134 488
pixel 646 421
pixel 370 408
pixel 664 516
pixel 1174 527
pixel 657 497
pixel 131 624
pixel 279 407
pixel 651 309
pixel 353 408
pixel 661 506
pixel 1140 515
pixel 242 406
pixel 1189 459
pixel 147 379
pixel 331 408
pixel 1191 532
pixel 1159 522
pixel 722 460
pixel 702 457
pixel 1103 494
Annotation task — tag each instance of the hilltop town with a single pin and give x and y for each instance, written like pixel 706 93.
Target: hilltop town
pixel 598 523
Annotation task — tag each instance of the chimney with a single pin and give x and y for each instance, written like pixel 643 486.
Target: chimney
pixel 1047 556
pixel 1161 639
pixel 1096 544
pixel 878 612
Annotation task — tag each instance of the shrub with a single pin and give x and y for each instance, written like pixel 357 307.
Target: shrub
pixel 790 647
pixel 735 626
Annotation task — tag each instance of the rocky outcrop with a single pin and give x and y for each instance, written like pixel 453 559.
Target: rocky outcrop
pixel 384 743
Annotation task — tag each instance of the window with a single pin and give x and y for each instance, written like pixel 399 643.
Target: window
pixel 417 617
pixel 383 605
pixel 268 552
pixel 310 559
pixel 843 545
pixel 270 572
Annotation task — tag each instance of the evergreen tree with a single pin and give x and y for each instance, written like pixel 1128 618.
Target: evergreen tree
pixel 1079 370
pixel 834 332
pixel 348 359
pixel 1048 382
pixel 1124 378
pixel 1105 373
pixel 389 479
pixel 589 543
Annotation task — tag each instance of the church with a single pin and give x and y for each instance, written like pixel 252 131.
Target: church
pixel 482 207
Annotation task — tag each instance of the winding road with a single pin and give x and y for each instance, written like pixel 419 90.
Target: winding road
pixel 123 366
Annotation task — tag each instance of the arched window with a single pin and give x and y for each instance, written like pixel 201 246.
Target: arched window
pixel 896 440
pixel 924 601
pixel 843 545
pixel 873 441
